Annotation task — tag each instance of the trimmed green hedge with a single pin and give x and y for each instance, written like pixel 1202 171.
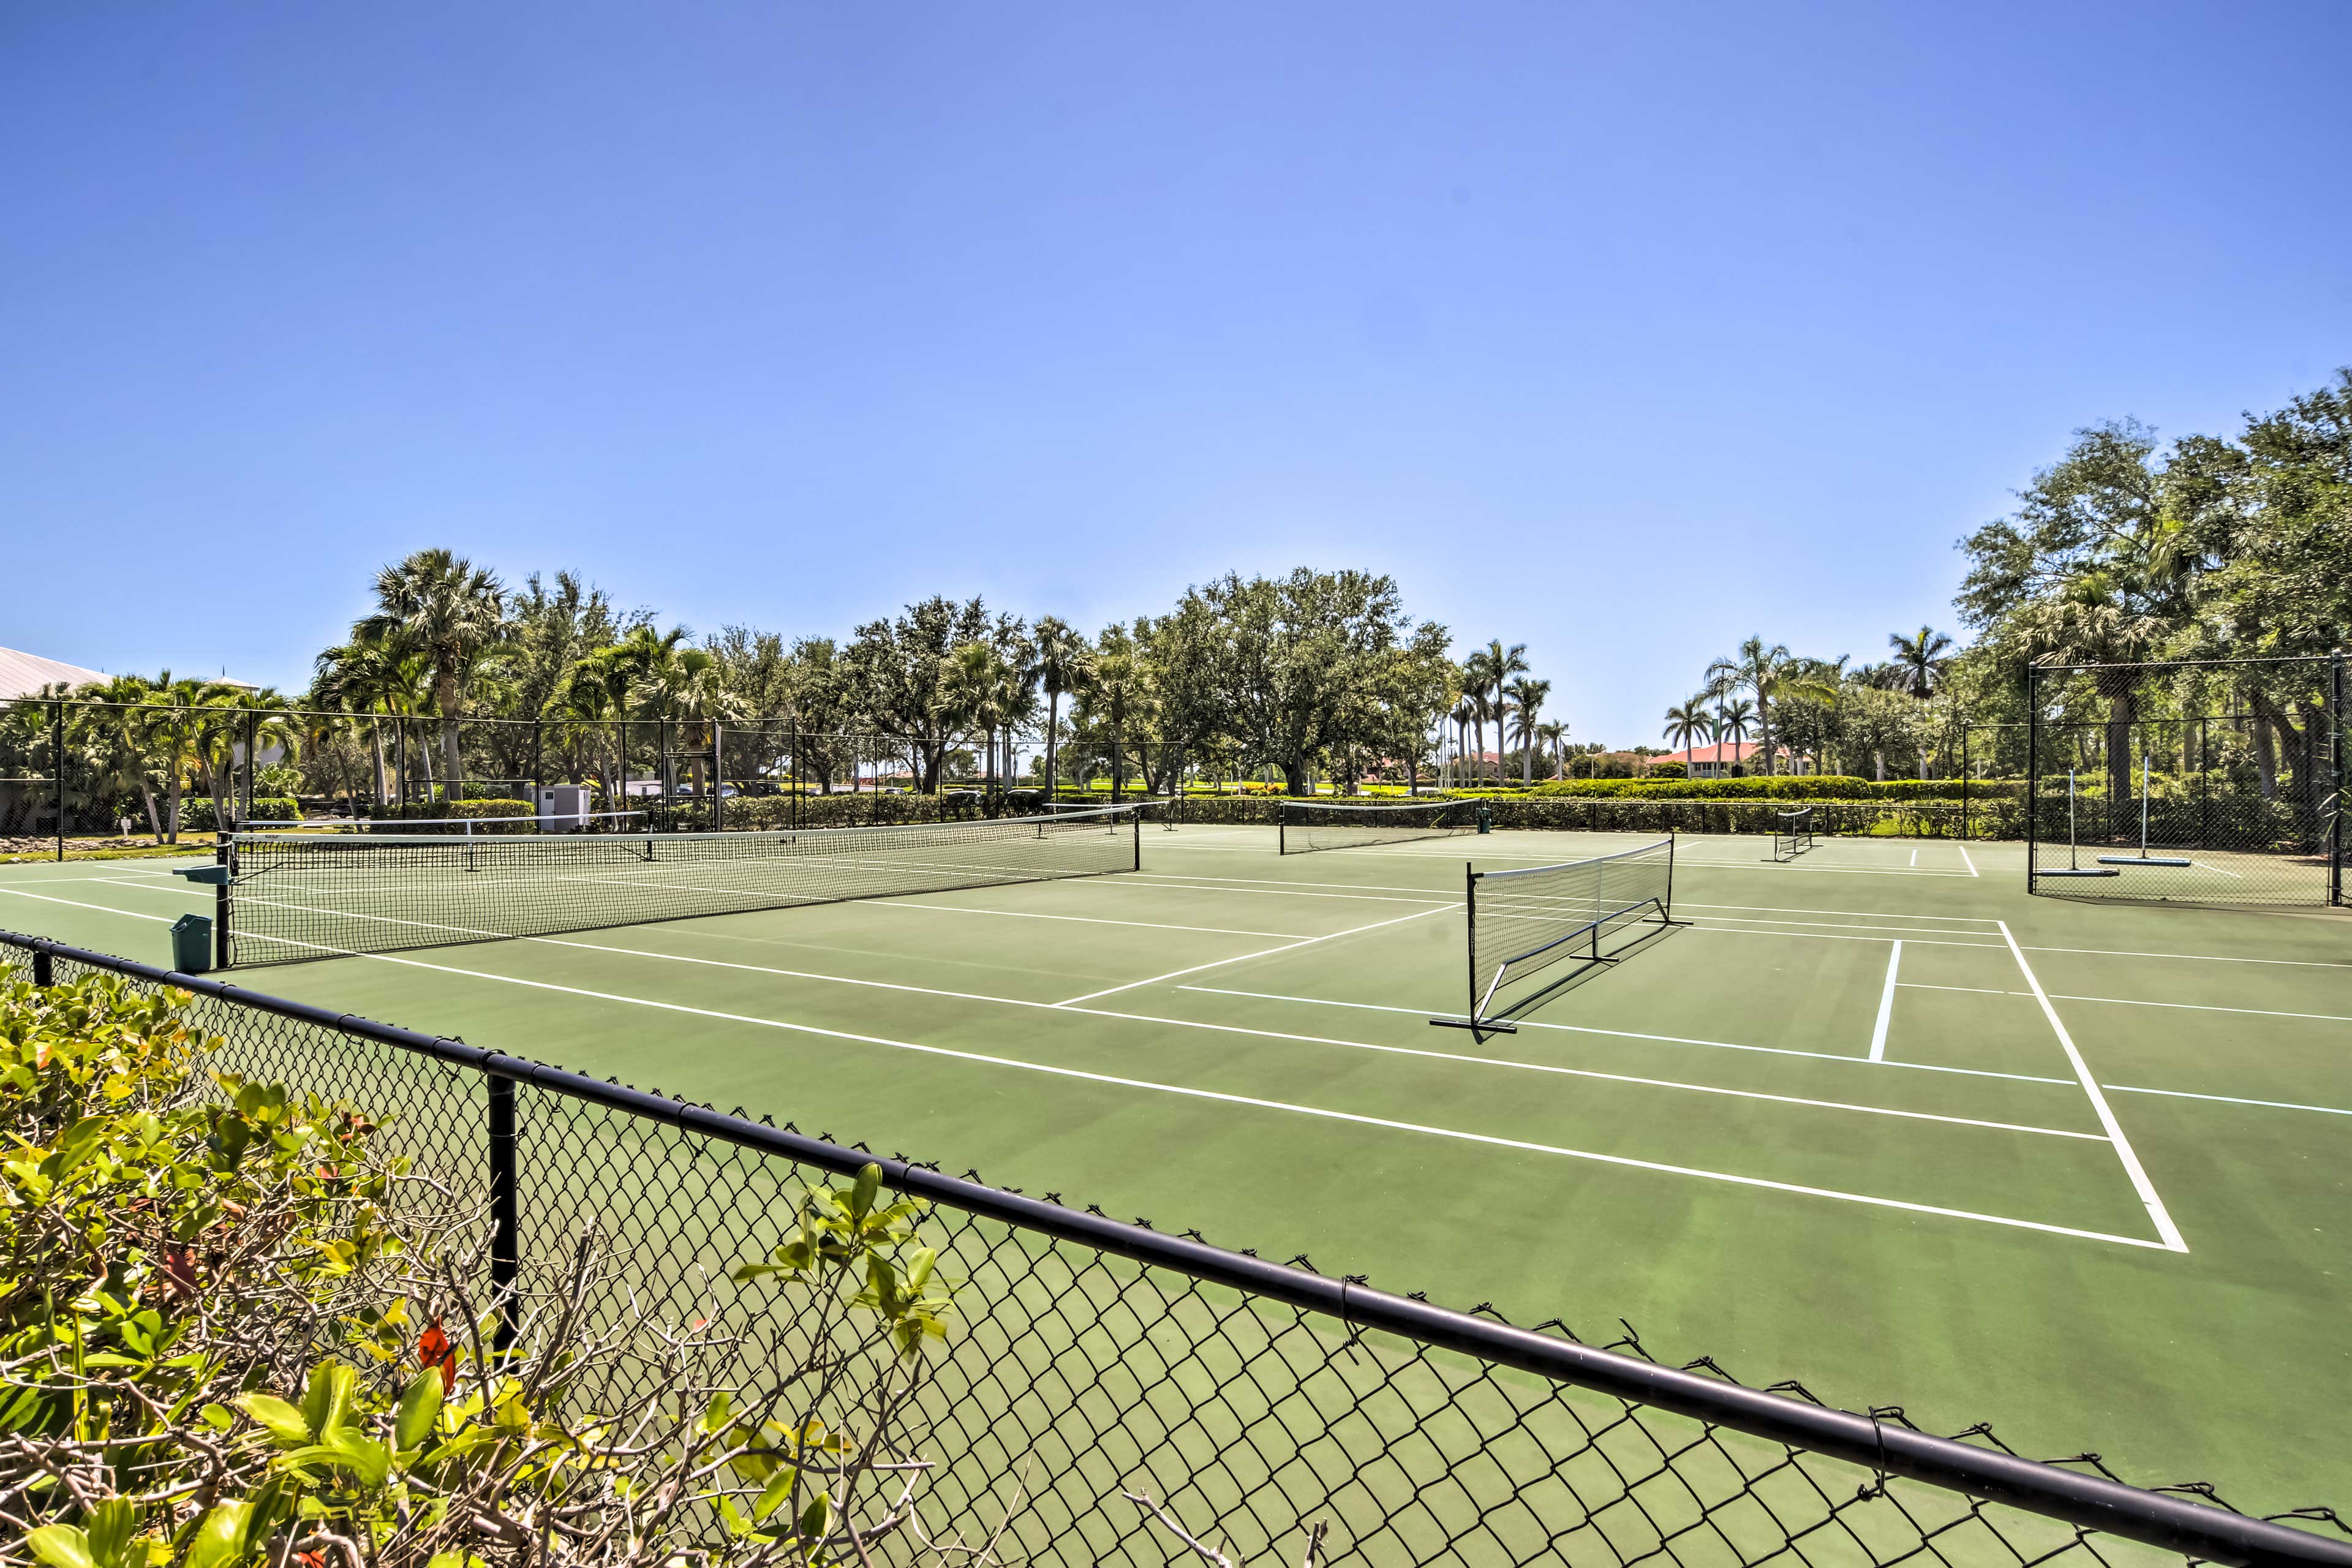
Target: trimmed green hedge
pixel 196 811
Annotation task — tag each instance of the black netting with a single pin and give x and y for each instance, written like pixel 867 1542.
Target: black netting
pixel 2213 784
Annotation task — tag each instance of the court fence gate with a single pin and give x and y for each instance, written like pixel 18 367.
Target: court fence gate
pixel 1250 1399
pixel 2212 782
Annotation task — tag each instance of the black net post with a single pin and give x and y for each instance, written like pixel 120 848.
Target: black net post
pixel 1470 920
pixel 225 857
pixel 506 1230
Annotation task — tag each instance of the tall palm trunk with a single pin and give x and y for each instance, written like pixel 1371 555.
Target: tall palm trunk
pixel 444 691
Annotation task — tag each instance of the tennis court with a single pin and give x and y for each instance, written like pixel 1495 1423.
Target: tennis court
pixel 1873 1119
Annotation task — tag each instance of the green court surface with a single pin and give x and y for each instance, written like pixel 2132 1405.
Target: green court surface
pixel 1874 1120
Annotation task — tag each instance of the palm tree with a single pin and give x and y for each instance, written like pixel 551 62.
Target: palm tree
pixel 370 677
pixel 1063 663
pixel 973 689
pixel 1920 661
pixel 1554 733
pixel 1689 723
pixel 127 722
pixel 1528 695
pixel 1733 718
pixel 1499 664
pixel 1758 669
pixel 1114 690
pixel 1466 713
pixel 451 611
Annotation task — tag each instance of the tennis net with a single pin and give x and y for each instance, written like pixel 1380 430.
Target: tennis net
pixel 1792 831
pixel 295 896
pixel 1308 825
pixel 1524 922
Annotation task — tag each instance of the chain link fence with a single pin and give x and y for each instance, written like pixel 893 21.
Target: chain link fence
pixel 1273 1413
pixel 2214 782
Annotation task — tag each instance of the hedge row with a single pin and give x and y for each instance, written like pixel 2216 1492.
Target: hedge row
pixel 1786 787
pixel 196 811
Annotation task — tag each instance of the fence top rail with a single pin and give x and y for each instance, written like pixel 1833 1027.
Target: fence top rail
pixel 2092 1503
pixel 2187 663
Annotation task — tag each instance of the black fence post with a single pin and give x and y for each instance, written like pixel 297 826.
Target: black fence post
pixel 506 1243
pixel 45 973
pixel 538 760
pixel 2032 769
pixel 57 767
pixel 2336 732
pixel 252 762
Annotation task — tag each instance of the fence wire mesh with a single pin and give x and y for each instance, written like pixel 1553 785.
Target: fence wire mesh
pixel 1252 1403
pixel 2198 782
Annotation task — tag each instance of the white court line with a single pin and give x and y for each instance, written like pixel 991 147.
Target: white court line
pixel 1886 1004
pixel 1866 914
pixel 2233 1100
pixel 2199 957
pixel 1843 925
pixel 1553 859
pixel 76 903
pixel 1448 1056
pixel 1914 857
pixel 1241 958
pixel 1983 990
pixel 1965 861
pixel 1082 920
pixel 1142 879
pixel 1833 936
pixel 1317 1112
pixel 1632 1035
pixel 2156 1212
pixel 2206 1007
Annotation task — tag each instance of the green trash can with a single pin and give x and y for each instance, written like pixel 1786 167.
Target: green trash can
pixel 1485 817
pixel 192 944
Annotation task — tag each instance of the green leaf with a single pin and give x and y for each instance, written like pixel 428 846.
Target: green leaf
pixel 327 1403
pixel 818 1516
pixel 112 1523
pixel 861 1197
pixel 420 1406
pixel 61 1546
pixel 732 1517
pixel 220 1539
pixel 779 1489
pixel 285 1423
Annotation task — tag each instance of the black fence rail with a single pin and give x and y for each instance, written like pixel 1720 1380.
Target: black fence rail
pixel 1252 1401
pixel 2203 782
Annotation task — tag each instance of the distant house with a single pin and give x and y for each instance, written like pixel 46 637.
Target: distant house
pixel 1712 761
pixel 27 674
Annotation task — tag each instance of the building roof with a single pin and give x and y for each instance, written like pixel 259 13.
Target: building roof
pixel 1731 752
pixel 24 674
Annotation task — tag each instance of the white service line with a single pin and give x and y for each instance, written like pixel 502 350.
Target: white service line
pixel 1143 878
pixel 1886 1004
pixel 1834 936
pixel 1632 1035
pixel 2198 957
pixel 1082 920
pixel 1866 914
pixel 1319 1112
pixel 1245 957
pixel 1964 859
pixel 2165 1228
pixel 2233 1100
pixel 76 903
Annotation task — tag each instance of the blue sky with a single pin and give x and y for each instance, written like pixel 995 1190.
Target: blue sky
pixel 1620 330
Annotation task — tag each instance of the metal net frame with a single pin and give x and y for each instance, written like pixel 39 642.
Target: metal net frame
pixel 1305 826
pixel 299 895
pixel 1792 831
pixel 1251 1400
pixel 1522 923
pixel 2215 782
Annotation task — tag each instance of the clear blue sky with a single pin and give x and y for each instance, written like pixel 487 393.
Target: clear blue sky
pixel 1618 330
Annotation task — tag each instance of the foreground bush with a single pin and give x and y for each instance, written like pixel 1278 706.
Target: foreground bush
pixel 237 1332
